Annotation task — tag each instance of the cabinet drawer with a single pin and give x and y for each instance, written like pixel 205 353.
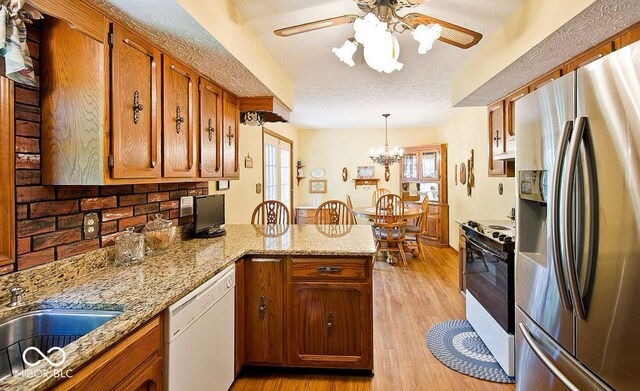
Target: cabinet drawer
pixel 434 210
pixel 306 212
pixel 119 363
pixel 329 268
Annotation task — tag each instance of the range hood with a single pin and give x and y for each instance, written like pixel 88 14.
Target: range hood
pixel 263 109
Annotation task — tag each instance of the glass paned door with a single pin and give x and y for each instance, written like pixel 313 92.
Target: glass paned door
pixel 277 170
pixel 429 165
pixel 410 166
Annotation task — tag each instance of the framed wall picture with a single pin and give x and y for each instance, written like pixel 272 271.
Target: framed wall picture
pixel 223 185
pixel 317 186
pixel 366 172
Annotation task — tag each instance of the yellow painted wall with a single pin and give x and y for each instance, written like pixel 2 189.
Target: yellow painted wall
pixel 221 19
pixel 532 22
pixel 241 198
pixel 463 131
pixel 333 149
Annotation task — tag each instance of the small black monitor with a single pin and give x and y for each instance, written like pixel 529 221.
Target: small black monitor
pixel 208 215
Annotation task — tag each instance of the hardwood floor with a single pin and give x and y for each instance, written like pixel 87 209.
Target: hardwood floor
pixel 406 304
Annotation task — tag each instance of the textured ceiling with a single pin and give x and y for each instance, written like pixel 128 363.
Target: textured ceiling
pixel 329 94
pixel 177 33
pixel 601 20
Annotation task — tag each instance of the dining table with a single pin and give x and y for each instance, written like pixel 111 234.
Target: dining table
pixel 411 211
pixel 369 212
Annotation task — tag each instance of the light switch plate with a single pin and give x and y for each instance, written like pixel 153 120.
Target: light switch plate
pixel 186 206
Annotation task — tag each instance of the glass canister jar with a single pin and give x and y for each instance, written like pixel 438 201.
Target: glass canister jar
pixel 129 248
pixel 159 234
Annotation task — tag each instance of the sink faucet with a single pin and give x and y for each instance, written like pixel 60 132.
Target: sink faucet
pixel 16 296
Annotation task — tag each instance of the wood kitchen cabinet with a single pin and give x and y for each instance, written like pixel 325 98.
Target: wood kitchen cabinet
pixel 210 130
pixel 179 89
pixel 231 124
pixel 545 79
pixel 264 310
pixel 510 112
pixel 314 312
pixel 125 112
pixel 136 97
pixel 497 144
pixel 134 364
pixel 588 57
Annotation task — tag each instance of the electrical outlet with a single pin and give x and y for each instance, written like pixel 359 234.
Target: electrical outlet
pixel 186 206
pixel 91 226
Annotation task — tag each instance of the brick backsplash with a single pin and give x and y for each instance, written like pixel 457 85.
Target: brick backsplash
pixel 49 218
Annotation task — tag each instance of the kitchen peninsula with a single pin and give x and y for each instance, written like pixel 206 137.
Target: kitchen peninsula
pixel 299 271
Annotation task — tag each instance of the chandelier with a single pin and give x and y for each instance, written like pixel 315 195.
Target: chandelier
pixel 385 156
pixel 381 48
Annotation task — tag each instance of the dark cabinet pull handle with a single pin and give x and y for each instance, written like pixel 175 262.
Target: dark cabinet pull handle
pixel 330 323
pixel 329 269
pixel 210 129
pixel 137 107
pixel 263 306
pixel 179 119
pixel 230 135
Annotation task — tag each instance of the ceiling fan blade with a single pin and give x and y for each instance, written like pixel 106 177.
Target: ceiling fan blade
pixel 451 33
pixel 317 25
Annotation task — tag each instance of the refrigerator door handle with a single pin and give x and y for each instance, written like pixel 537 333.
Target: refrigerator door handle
pixel 569 252
pixel 544 359
pixel 555 220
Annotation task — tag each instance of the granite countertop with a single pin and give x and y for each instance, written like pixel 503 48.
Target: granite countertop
pixel 146 289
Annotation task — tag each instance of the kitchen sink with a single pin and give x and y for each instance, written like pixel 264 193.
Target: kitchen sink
pixel 44 329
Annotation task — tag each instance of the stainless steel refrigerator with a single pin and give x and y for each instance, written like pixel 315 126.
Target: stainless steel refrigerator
pixel 578 230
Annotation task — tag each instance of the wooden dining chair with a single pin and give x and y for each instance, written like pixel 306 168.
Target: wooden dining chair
pixel 335 212
pixel 349 203
pixel 390 225
pixel 270 212
pixel 415 232
pixel 377 194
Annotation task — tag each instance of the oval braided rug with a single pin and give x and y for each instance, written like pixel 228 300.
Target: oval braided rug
pixel 456 344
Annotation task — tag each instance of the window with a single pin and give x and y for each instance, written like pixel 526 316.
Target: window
pixel 277 168
pixel 7 156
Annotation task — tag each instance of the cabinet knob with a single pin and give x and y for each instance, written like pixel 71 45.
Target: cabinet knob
pixel 230 136
pixel 210 129
pixel 263 306
pixel 330 323
pixel 179 119
pixel 497 138
pixel 137 107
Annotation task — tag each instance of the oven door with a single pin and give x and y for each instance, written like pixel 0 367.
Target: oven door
pixel 489 276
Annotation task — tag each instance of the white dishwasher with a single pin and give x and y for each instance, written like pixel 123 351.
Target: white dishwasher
pixel 200 335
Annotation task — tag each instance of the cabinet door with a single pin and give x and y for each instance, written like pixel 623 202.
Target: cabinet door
pixel 510 103
pixel 178 88
pixel 545 79
pixel 588 57
pixel 330 325
pixel 230 123
pixel 433 227
pixel 135 74
pixel 146 378
pixel 210 130
pixel 496 138
pixel 628 38
pixel 429 165
pixel 410 166
pixel 264 308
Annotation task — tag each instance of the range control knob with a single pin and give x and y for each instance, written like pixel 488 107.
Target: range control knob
pixel 508 239
pixel 502 238
pixel 472 224
pixel 495 234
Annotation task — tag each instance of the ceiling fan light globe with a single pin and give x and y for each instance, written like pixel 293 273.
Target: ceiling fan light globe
pixel 345 53
pixel 426 35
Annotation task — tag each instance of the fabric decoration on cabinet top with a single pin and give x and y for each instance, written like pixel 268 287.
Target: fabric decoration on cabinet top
pixel 13 40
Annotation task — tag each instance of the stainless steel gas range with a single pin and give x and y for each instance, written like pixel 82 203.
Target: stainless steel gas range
pixel 489 271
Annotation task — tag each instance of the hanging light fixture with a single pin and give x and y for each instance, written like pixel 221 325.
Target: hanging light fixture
pixel 386 156
pixel 381 48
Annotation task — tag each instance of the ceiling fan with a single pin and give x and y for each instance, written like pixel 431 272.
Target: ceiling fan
pixel 375 29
